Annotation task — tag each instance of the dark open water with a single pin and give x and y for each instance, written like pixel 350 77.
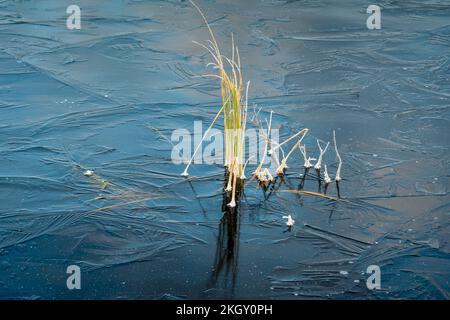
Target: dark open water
pixel 103 98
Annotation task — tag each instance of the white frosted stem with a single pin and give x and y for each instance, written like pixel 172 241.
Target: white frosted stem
pixel 307 160
pixel 243 177
pixel 266 138
pixel 269 176
pixel 269 126
pixel 303 131
pixel 338 171
pixel 283 165
pixel 185 172
pixel 326 177
pixel 230 177
pixel 318 164
pixel 232 203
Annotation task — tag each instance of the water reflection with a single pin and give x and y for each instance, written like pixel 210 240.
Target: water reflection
pixel 225 267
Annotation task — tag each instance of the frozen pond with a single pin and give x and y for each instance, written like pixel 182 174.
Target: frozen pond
pixel 107 97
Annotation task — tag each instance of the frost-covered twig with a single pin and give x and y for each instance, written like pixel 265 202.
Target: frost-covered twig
pixel 318 164
pixel 338 171
pixel 290 222
pixel 307 160
pixel 262 176
pixel 265 176
pixel 326 177
pixel 243 177
pixel 274 157
pixel 244 127
pixel 229 188
pixel 232 203
pixel 258 169
pixel 255 114
pixel 303 131
pixel 283 165
pixel 185 172
pixel 269 176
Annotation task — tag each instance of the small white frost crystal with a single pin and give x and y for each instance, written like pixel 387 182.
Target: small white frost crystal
pixel 88 173
pixel 290 222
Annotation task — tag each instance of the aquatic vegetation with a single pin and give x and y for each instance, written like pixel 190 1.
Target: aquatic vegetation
pixel 318 164
pixel 109 97
pixel 301 132
pixel 283 165
pixel 265 136
pixel 326 177
pixel 338 171
pixel 234 109
pixel 307 160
